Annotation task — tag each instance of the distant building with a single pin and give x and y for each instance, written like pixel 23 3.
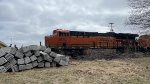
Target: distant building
pixel 2 44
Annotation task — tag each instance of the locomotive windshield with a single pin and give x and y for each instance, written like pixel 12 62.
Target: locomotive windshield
pixel 55 32
pixel 61 32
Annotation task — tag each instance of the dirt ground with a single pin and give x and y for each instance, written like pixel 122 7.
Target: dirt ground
pixel 116 71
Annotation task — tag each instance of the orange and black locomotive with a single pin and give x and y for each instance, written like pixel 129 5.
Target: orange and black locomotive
pixel 80 40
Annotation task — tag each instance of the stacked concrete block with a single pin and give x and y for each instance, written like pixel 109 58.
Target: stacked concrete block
pixel 15 68
pixel 53 54
pixel 29 66
pixel 3 69
pixel 20 61
pixel 2 53
pixel 7 49
pixel 42 48
pixel 34 47
pixel 41 64
pixel 37 53
pixel 35 64
pixel 8 57
pixel 28 57
pixel 53 64
pixel 64 61
pixel 13 51
pixel 27 60
pixel 39 59
pixel 33 58
pixel 27 54
pixel 47 64
pixel 47 58
pixel 58 58
pixel 22 67
pixel 25 49
pixel 9 64
pixel 13 61
pixel 19 54
pixel 48 50
pixel 2 60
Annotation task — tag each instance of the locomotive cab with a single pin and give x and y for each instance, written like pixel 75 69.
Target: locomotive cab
pixel 61 32
pixel 57 39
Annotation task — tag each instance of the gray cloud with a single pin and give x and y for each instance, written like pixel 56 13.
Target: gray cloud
pixel 28 21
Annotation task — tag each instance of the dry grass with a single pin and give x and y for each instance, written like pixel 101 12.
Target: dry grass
pixel 85 72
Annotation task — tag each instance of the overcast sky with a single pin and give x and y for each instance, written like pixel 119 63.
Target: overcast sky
pixel 28 21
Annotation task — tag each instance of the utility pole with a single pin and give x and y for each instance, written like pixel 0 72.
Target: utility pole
pixel 111 25
pixel 110 43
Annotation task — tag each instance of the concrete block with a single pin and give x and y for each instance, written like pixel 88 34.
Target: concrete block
pixel 6 49
pixel 59 55
pixel 39 59
pixel 9 57
pixel 67 59
pixel 27 54
pixel 63 63
pixel 3 69
pixel 20 61
pixel 9 50
pixel 41 64
pixel 37 53
pixel 13 61
pixel 19 54
pixel 53 64
pixel 29 66
pixel 35 63
pixel 2 53
pixel 27 60
pixel 42 48
pixel 58 58
pixel 8 65
pixel 13 51
pixel 47 58
pixel 47 64
pixel 43 53
pixel 48 50
pixel 63 60
pixel 53 54
pixel 15 68
pixel 34 47
pixel 2 60
pixel 25 49
pixel 33 58
pixel 22 67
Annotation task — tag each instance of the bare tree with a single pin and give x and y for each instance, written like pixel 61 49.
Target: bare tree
pixel 140 14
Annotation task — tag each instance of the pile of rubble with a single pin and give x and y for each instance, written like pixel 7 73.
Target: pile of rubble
pixel 33 56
